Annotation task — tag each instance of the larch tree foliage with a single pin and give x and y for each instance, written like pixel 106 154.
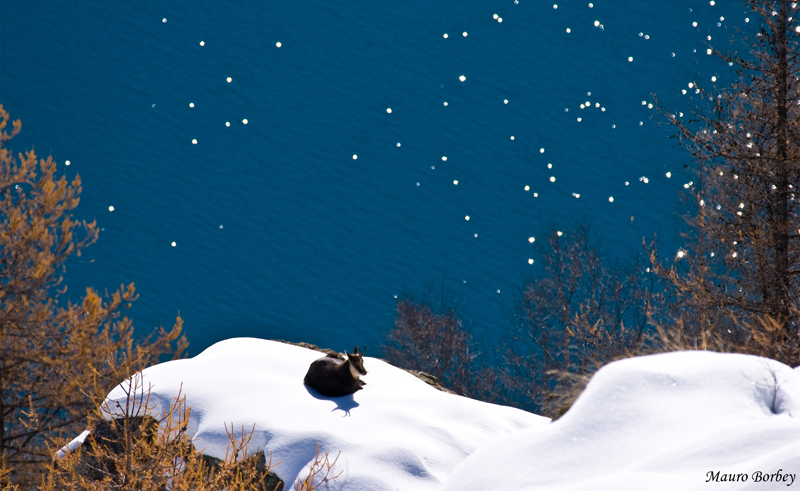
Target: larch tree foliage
pixel 57 359
pixel 741 262
pixel 432 340
pixel 429 336
pixel 580 311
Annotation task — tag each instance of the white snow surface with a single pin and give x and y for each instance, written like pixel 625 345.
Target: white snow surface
pixel 398 433
pixel 659 422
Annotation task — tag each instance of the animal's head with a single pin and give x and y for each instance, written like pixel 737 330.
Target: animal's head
pixel 357 362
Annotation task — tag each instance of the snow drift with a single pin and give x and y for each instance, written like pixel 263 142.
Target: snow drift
pixel 660 422
pixel 686 420
pixel 398 433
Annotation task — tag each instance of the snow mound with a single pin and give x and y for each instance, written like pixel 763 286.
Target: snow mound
pixel 659 422
pixel 397 433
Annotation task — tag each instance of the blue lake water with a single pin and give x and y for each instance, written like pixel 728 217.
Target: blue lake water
pixel 279 230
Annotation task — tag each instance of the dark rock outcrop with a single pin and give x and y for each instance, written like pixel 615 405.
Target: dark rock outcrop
pixel 269 480
pixel 106 441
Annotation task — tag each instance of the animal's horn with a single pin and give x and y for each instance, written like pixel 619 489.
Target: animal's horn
pixel 363 349
pixel 355 350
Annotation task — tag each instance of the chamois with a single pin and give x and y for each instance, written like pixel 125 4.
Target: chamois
pixel 333 376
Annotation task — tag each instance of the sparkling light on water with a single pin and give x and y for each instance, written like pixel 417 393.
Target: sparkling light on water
pixel 517 161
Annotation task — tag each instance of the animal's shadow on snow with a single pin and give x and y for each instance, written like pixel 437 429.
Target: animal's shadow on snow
pixel 343 403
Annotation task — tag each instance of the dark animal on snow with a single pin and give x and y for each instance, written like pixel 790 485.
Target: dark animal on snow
pixel 333 376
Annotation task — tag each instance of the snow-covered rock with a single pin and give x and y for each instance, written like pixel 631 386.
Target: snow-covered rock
pixel 661 422
pixel 398 433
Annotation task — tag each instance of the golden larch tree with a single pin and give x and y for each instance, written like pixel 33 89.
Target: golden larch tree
pixel 57 359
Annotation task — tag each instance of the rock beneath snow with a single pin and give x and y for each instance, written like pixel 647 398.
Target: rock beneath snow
pixel 659 422
pixel 107 439
pixel 314 347
pixel 398 433
pixel 269 481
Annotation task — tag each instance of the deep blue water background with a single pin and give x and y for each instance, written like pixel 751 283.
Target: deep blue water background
pixel 279 232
